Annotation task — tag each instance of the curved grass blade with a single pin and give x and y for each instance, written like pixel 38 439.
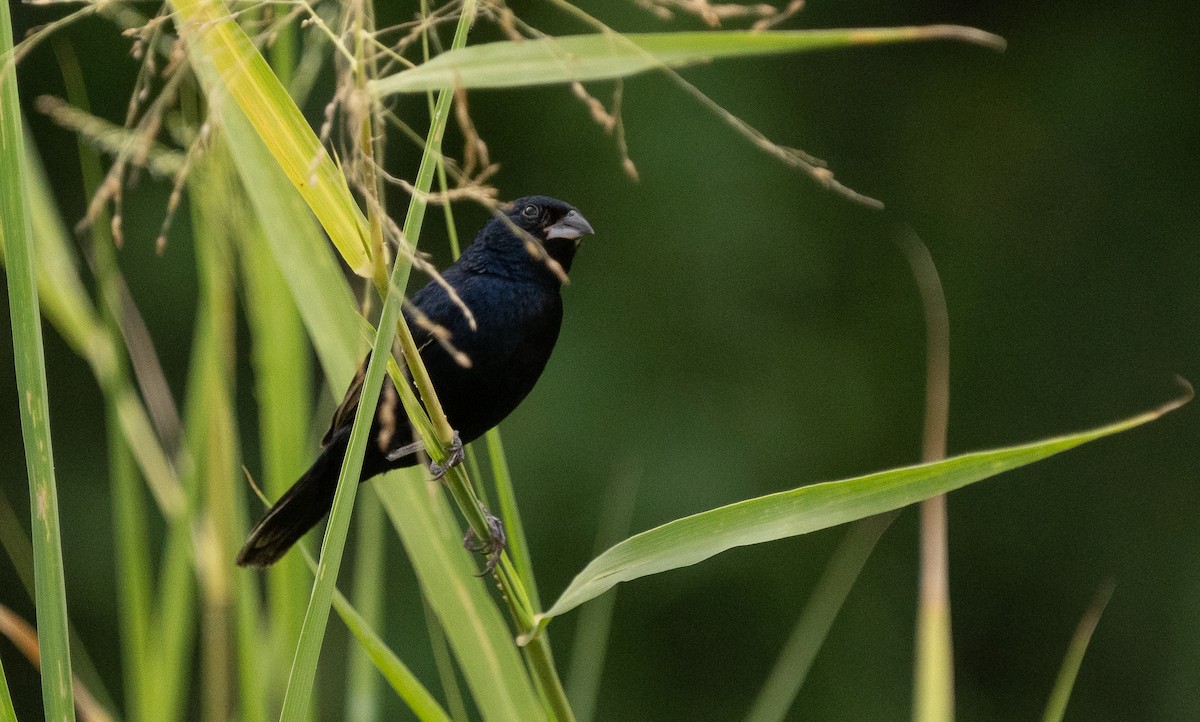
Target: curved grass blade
pixel 33 398
pixel 693 539
pixel 243 73
pixel 604 56
pixel 1056 707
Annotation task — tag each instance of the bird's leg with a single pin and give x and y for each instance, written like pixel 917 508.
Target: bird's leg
pixel 494 543
pixel 403 451
pixel 456 457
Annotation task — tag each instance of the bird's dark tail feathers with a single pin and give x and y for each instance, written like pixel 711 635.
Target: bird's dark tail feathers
pixel 297 511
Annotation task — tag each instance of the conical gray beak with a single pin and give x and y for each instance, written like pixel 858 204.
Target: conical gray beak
pixel 572 226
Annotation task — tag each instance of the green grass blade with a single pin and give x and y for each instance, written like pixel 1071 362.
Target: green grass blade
pixel 132 560
pixel 796 658
pixel 686 541
pixel 32 397
pixel 1056 707
pixel 228 596
pixel 304 665
pixel 444 662
pixel 282 378
pixel 370 578
pixel 518 547
pixel 318 287
pixel 508 64
pixel 240 72
pixel 7 713
pixel 476 631
pixel 397 674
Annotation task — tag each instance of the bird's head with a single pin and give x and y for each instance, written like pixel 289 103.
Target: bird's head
pixel 557 228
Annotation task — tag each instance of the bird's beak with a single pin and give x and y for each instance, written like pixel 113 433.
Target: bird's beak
pixel 572 227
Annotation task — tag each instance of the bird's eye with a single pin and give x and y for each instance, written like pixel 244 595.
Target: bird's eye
pixel 529 212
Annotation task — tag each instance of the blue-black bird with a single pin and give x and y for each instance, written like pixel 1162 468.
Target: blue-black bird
pixel 509 279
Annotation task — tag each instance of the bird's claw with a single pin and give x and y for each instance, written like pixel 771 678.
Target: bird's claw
pixel 456 457
pixel 492 546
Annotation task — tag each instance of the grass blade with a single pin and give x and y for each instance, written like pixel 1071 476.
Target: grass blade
pixel 282 377
pixel 7 713
pixel 796 658
pixel 242 73
pixel 604 56
pixel 686 541
pixel 474 627
pixel 370 579
pixel 1056 707
pixel 397 674
pixel 33 398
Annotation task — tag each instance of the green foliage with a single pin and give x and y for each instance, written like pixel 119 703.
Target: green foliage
pixel 21 265
pixel 510 64
pixel 261 188
pixel 693 539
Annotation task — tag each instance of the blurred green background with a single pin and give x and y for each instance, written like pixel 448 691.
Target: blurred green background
pixel 733 330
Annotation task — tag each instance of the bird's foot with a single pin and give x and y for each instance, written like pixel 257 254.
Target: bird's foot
pixel 456 457
pixel 492 546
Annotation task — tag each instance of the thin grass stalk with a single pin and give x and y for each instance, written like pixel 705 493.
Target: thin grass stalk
pixel 57 695
pixel 134 582
pixel 796 657
pixel 7 713
pixel 370 578
pixel 537 647
pixel 65 304
pixel 205 387
pixel 315 620
pixel 518 545
pixel 304 665
pixel 393 669
pixel 590 646
pixel 444 663
pixel 175 615
pixel 282 378
pixel 933 679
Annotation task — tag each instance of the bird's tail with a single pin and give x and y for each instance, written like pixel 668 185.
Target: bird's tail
pixel 297 511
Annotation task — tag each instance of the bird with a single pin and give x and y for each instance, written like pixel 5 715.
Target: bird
pixel 482 364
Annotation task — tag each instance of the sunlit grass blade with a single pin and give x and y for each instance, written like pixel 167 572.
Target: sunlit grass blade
pixel 508 64
pixel 477 633
pixel 32 397
pixel 796 658
pixel 590 646
pixel 320 292
pixel 1056 707
pixel 693 539
pixel 242 74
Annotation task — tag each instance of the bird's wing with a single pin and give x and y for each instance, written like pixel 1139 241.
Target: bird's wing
pixel 343 417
